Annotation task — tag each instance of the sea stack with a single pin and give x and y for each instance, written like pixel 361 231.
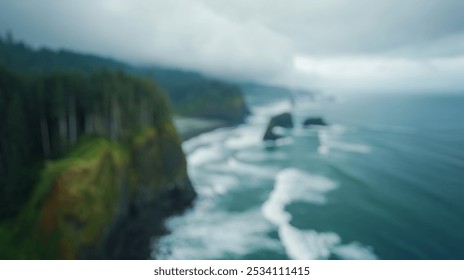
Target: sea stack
pixel 314 121
pixel 283 120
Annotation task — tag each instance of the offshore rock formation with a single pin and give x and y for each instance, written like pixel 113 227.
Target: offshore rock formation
pixel 314 121
pixel 283 120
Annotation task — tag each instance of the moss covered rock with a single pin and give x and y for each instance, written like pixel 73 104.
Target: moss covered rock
pixel 91 202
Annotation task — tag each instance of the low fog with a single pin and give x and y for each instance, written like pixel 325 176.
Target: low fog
pixel 356 45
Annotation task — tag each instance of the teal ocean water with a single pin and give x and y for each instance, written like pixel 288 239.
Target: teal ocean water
pixel 383 181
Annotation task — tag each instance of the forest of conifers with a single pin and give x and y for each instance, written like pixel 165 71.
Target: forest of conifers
pixel 191 94
pixel 49 99
pixel 42 115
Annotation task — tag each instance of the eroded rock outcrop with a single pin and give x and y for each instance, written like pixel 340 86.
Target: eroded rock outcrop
pixel 314 121
pixel 283 120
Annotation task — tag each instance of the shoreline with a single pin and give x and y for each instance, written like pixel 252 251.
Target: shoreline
pixel 188 128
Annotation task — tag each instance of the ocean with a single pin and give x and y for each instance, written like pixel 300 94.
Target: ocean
pixel 384 180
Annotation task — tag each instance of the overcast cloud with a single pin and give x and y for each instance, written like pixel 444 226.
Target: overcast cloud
pixel 359 45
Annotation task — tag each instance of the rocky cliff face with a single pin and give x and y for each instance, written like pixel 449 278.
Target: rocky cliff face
pixel 104 200
pixel 160 188
pixel 105 165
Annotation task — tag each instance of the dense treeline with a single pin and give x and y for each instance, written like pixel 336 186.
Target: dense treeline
pixel 20 57
pixel 191 93
pixel 43 115
pixel 194 95
pixel 210 99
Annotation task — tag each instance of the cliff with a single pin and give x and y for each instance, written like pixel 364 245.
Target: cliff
pixel 104 166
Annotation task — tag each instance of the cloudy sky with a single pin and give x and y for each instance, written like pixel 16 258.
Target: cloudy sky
pixel 352 45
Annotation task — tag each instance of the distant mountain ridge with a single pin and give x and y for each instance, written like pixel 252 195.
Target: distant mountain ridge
pixel 192 94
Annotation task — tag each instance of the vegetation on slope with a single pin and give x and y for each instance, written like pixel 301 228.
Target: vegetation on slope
pixel 79 154
pixel 75 199
pixel 42 116
pixel 191 93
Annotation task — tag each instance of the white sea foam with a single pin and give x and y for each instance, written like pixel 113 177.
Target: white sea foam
pixel 354 251
pixel 215 235
pixel 282 131
pixel 205 155
pixel 311 245
pixel 210 232
pixel 244 137
pixel 307 245
pixel 291 185
pixel 295 185
pixel 285 141
pixel 216 184
pixel 323 149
